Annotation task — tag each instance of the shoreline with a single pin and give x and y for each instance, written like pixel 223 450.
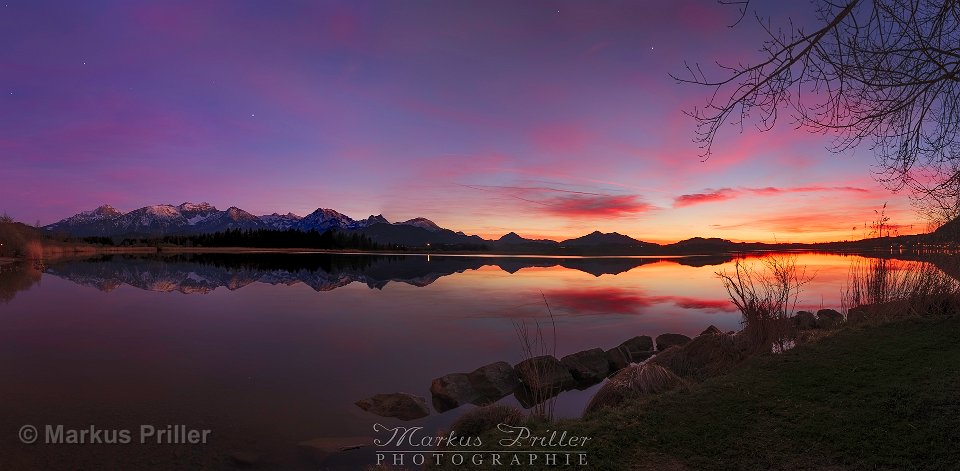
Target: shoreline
pixel 780 407
pixel 53 250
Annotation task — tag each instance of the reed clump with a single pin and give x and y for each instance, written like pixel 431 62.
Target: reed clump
pixel 703 357
pixel 542 394
pixel 766 295
pixel 881 290
pixel 634 381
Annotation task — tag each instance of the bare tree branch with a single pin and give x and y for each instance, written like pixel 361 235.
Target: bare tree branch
pixel 884 74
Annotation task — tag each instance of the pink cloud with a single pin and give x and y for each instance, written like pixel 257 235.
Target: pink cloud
pixel 708 197
pixel 604 206
pixel 722 194
pixel 804 189
pixel 623 301
pixel 600 300
pixel 723 305
pixel 572 204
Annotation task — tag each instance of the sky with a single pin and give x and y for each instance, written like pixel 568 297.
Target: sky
pixel 551 119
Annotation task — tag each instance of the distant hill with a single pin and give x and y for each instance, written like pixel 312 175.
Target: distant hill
pixel 417 236
pixel 597 238
pixel 948 232
pixel 704 245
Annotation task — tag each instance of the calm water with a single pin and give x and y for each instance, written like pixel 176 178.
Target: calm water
pixel 269 351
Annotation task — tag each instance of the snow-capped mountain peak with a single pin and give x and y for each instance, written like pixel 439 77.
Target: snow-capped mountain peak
pixel 193 207
pixel 105 211
pixel 163 211
pixel 422 223
pixel 237 213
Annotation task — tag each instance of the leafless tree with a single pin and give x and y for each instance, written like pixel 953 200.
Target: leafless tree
pixel 879 73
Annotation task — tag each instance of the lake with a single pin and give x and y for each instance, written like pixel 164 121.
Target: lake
pixel 267 351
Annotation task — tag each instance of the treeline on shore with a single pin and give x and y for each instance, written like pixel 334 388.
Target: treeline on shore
pixel 257 238
pixel 18 240
pixel 24 242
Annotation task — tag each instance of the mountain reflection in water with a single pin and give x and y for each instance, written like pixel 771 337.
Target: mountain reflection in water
pixel 202 273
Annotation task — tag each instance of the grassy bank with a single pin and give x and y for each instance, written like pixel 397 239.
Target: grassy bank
pixel 885 397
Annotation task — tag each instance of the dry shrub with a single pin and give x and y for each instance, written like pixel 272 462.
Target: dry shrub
pixel 32 250
pixel 703 357
pixel 474 422
pixel 883 289
pixel 532 345
pixel 634 381
pixel 766 297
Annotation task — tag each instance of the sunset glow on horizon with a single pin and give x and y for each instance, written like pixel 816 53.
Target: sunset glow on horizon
pixel 550 119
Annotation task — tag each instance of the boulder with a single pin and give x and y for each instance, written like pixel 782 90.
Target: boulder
pixel 400 405
pixel 545 373
pixel 640 343
pixel 638 348
pixel 703 357
pixel 829 318
pixel 452 391
pixel 712 330
pixel 805 320
pixel 587 367
pixel 618 358
pixel 493 382
pixel 665 341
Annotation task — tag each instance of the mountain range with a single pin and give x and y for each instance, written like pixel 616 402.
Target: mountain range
pixel 191 218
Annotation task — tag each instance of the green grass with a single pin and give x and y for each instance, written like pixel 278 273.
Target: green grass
pixel 884 397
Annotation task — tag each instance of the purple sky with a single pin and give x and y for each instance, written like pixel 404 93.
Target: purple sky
pixel 548 118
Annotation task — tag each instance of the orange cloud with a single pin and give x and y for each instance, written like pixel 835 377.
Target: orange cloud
pixel 817 222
